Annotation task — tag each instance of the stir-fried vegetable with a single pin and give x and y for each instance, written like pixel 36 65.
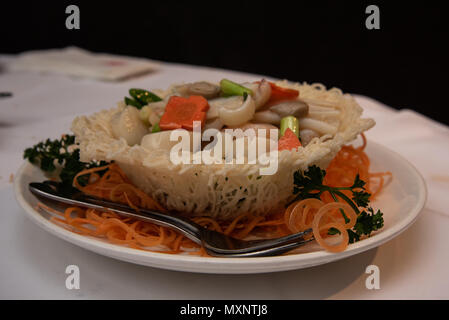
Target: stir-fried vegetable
pixel 132 102
pixel 294 108
pixel 289 141
pixel 291 123
pixel 289 133
pixel 229 88
pixel 236 106
pixel 181 112
pixel 203 88
pixel 307 135
pixel 156 128
pixel 140 98
pixel 144 96
pixel 279 94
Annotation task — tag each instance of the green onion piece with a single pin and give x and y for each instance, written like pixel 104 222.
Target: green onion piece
pixel 156 128
pixel 229 88
pixel 144 96
pixel 290 122
pixel 132 102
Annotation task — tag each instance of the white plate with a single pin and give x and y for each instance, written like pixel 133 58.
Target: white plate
pixel 401 201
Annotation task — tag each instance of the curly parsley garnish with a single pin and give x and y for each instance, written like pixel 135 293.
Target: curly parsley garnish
pixel 310 185
pixel 54 155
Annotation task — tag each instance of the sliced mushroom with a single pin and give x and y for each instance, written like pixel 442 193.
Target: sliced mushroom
pixel 205 89
pixel 201 88
pixel 307 135
pixel 296 108
pixel 237 111
pixel 267 116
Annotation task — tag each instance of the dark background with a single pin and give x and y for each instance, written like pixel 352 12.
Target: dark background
pixel 402 65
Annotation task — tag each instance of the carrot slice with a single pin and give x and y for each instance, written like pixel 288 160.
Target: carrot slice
pixel 279 94
pixel 181 112
pixel 288 141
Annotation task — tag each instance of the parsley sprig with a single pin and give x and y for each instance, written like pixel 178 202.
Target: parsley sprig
pixel 61 157
pixel 310 185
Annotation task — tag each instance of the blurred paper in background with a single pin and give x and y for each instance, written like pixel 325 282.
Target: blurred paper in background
pixel 77 62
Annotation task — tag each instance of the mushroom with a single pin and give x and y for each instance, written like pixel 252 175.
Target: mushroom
pixel 296 108
pixel 205 89
pixel 307 135
pixel 201 88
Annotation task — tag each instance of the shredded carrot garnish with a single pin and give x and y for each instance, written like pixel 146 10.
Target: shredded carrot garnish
pixel 110 182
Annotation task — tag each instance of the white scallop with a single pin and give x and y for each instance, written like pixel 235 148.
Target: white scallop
pixel 127 125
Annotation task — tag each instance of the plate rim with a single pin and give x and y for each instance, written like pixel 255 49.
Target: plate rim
pixel 223 265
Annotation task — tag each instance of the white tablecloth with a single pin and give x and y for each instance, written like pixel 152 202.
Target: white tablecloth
pixel 32 262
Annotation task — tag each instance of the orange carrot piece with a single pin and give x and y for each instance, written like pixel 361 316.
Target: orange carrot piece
pixel 288 141
pixel 180 112
pixel 279 94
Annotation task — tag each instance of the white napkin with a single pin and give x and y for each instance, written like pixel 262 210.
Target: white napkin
pixel 74 61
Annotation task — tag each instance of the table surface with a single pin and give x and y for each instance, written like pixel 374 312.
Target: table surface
pixel 32 265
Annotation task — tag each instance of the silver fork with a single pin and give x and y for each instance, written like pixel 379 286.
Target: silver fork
pixel 55 194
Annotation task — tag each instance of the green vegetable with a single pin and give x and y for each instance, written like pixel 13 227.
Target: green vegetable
pixel 49 153
pixel 132 102
pixel 289 122
pixel 310 185
pixel 229 88
pixel 156 128
pixel 143 96
pixel 140 98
